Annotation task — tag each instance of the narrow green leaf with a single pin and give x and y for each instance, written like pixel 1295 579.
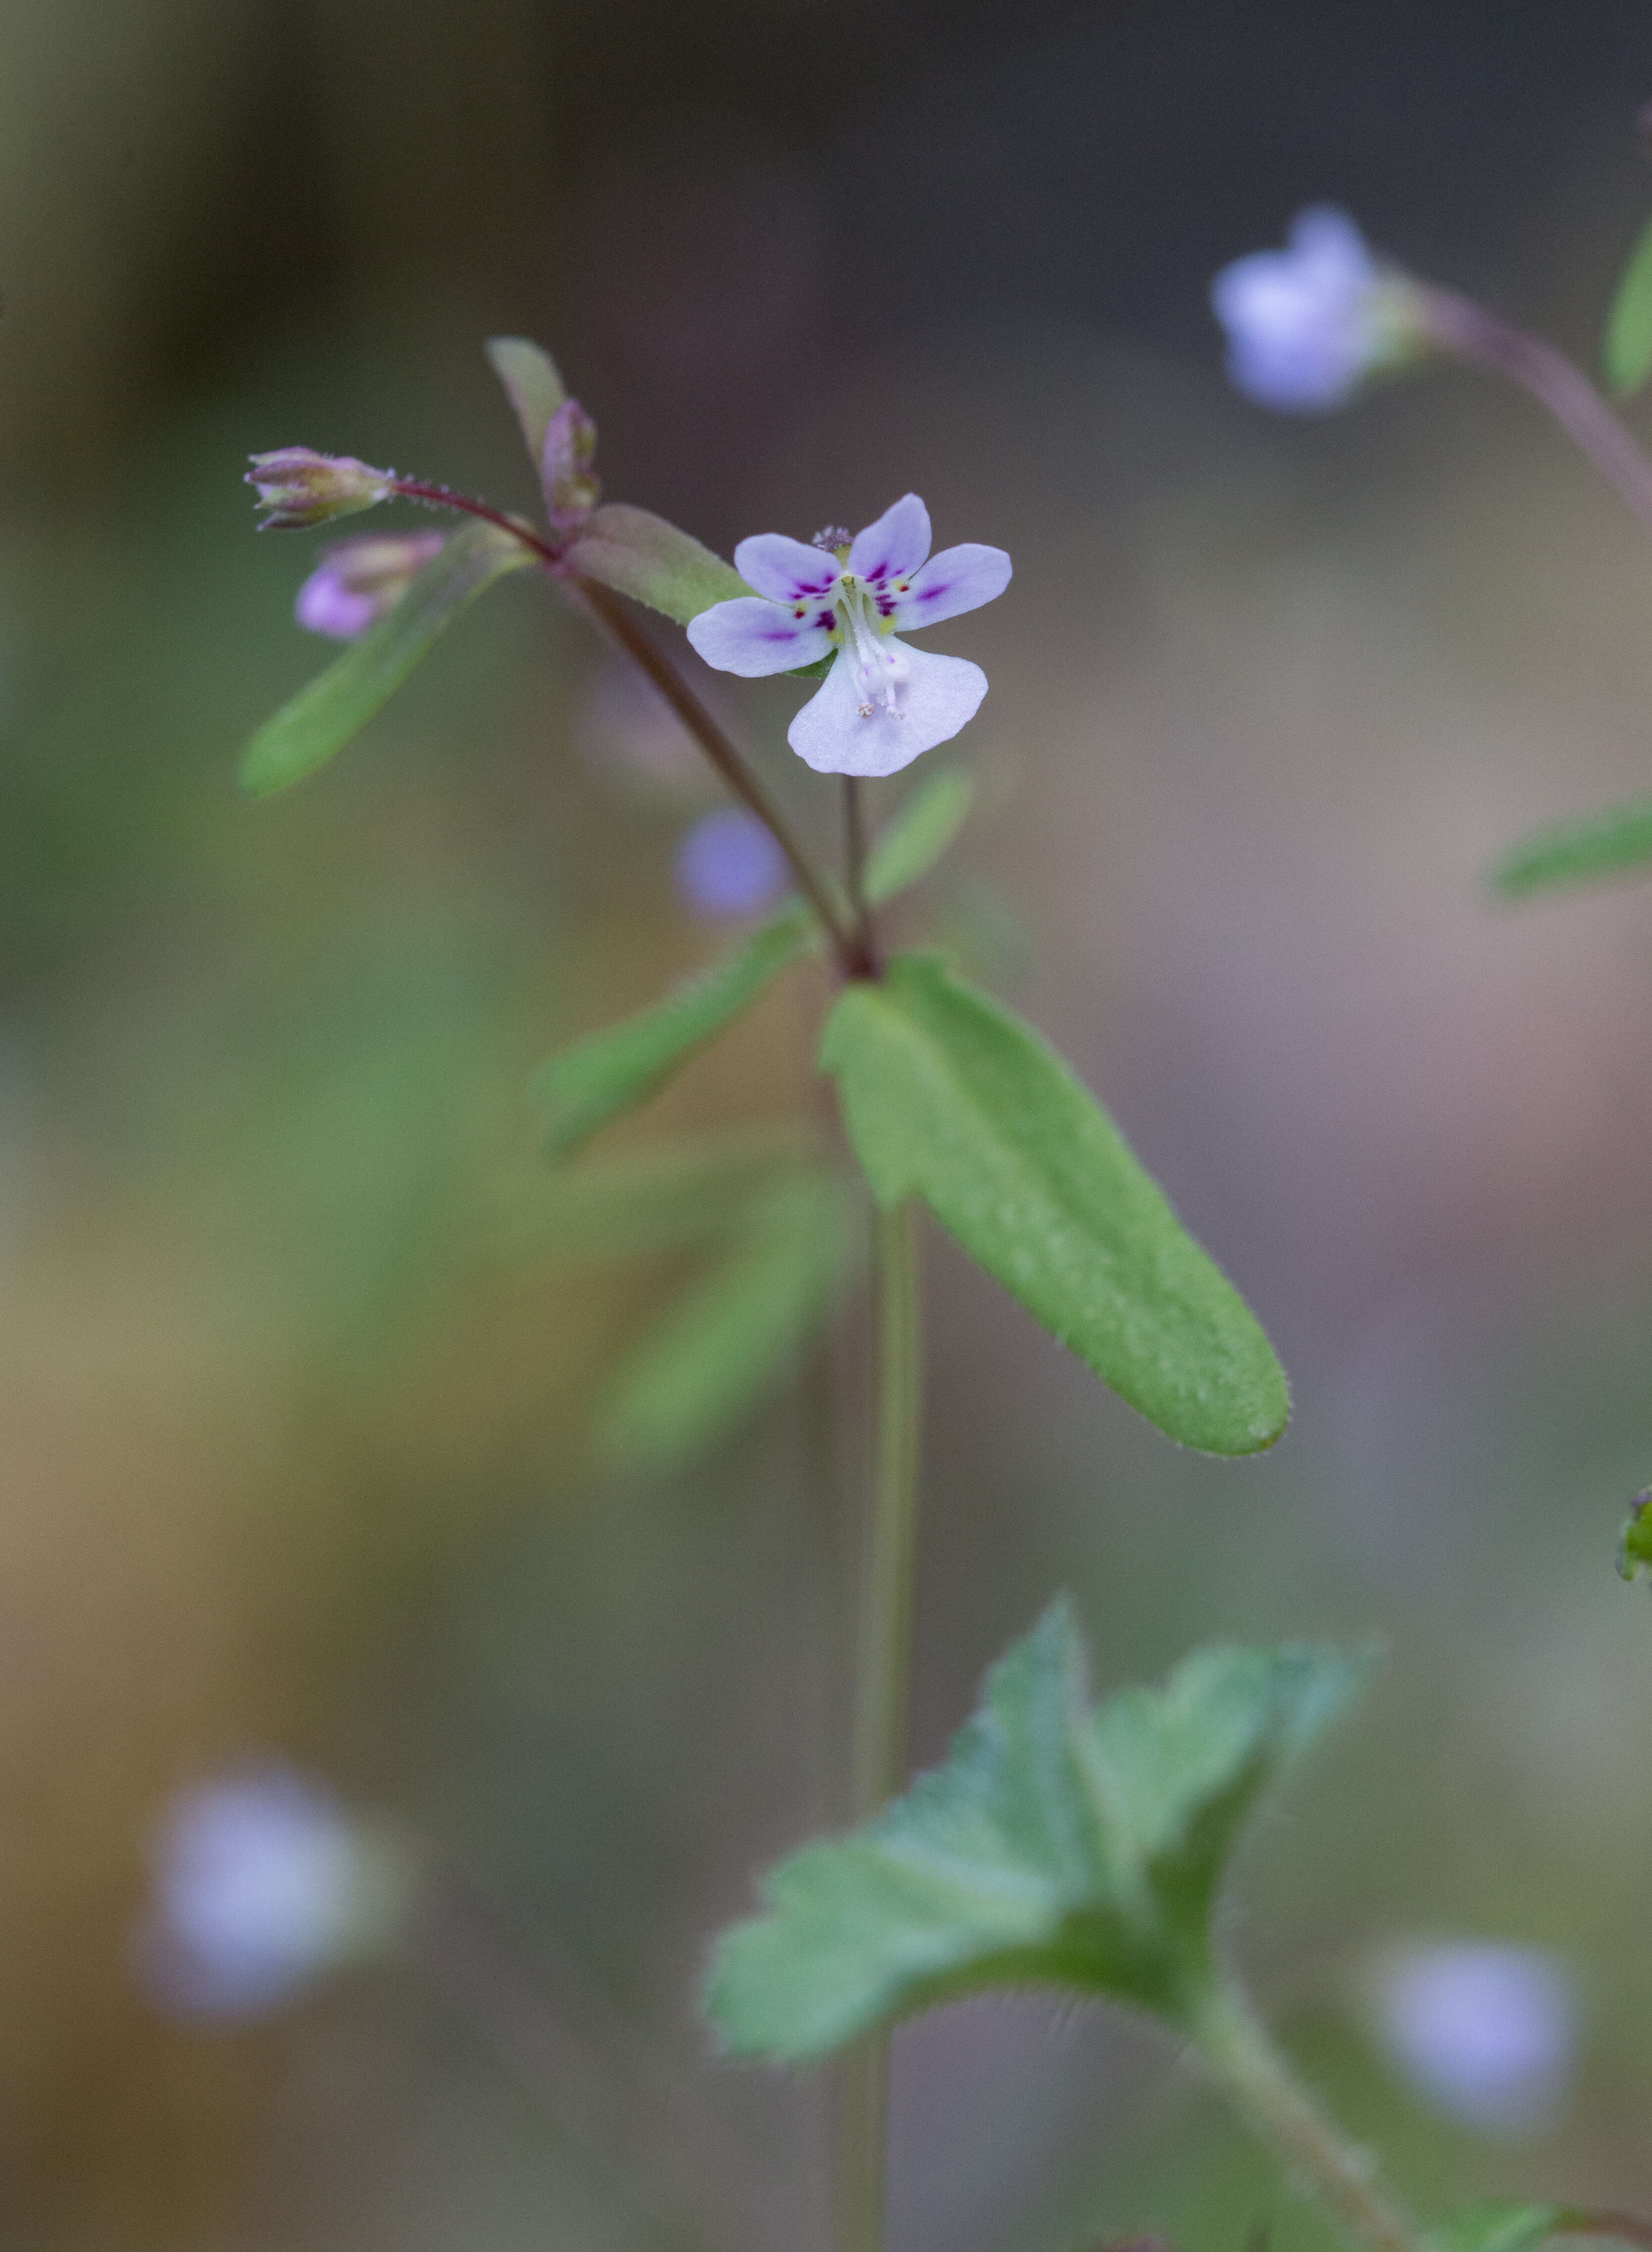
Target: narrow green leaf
pixel 1628 351
pixel 732 1339
pixel 528 374
pixel 1609 843
pixel 645 1203
pixel 323 717
pixel 645 557
pixel 1059 1845
pixel 949 1096
pixel 612 1070
pixel 1497 2225
pixel 919 835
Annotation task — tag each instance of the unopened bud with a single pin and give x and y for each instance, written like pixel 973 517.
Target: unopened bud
pixel 300 487
pixel 571 484
pixel 357 581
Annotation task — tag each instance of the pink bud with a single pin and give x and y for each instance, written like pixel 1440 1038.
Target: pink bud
pixel 300 487
pixel 360 579
pixel 571 484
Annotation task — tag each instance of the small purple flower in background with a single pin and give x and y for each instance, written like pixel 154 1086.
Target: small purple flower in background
pixel 357 581
pixel 260 1882
pixel 299 487
pixel 881 704
pixel 728 864
pixel 1486 2033
pixel 1307 324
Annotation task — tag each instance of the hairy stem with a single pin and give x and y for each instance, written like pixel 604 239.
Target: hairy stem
pixel 882 1667
pixel 639 645
pixel 1259 2083
pixel 1484 339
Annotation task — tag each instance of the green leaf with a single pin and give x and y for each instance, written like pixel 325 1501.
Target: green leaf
pixel 1628 351
pixel 651 560
pixel 1609 843
pixel 528 374
pixel 323 717
pixel 949 1096
pixel 1059 1845
pixel 919 835
pixel 1497 2225
pixel 615 1069
pixel 648 1202
pixel 733 1338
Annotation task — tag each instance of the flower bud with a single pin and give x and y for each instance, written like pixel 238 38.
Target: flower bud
pixel 357 581
pixel 728 864
pixel 571 484
pixel 300 487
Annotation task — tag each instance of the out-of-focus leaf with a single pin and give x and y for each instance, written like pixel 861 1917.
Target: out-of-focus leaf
pixel 615 1069
pixel 1059 1845
pixel 1609 843
pixel 734 1336
pixel 536 390
pixel 650 1201
pixel 1628 351
pixel 323 717
pixel 817 671
pixel 920 834
pixel 1496 2225
pixel 949 1096
pixel 645 557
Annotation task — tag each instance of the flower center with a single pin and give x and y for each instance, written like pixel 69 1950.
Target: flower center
pixel 882 667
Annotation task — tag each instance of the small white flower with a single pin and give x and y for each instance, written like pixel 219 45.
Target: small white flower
pixel 882 703
pixel 261 1880
pixel 1486 2033
pixel 1308 323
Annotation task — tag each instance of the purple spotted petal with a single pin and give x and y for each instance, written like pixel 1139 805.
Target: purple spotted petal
pixel 786 570
pixel 958 579
pixel 896 545
pixel 940 695
pixel 750 636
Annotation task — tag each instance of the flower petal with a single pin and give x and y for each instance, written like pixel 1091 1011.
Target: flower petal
pixel 941 695
pixel 750 636
pixel 958 579
pixel 895 545
pixel 786 570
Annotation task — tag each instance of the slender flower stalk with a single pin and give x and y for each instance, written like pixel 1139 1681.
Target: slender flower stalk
pixel 1470 332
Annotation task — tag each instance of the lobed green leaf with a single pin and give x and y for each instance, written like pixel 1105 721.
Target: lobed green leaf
pixel 612 1070
pixel 536 390
pixel 734 1336
pixel 643 556
pixel 1626 351
pixel 1059 1845
pixel 1609 843
pixel 949 1096
pixel 919 835
pixel 323 717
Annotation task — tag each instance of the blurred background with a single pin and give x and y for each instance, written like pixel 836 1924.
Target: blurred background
pixel 299 1365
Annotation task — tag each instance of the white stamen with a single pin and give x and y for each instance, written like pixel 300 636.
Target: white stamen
pixel 881 668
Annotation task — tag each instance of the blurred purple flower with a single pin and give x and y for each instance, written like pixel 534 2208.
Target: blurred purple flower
pixel 1308 323
pixel 1486 2032
pixel 357 581
pixel 728 864
pixel 261 1881
pixel 881 704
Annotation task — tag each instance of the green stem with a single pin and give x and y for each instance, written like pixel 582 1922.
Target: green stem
pixel 854 873
pixel 883 1667
pixel 1260 2084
